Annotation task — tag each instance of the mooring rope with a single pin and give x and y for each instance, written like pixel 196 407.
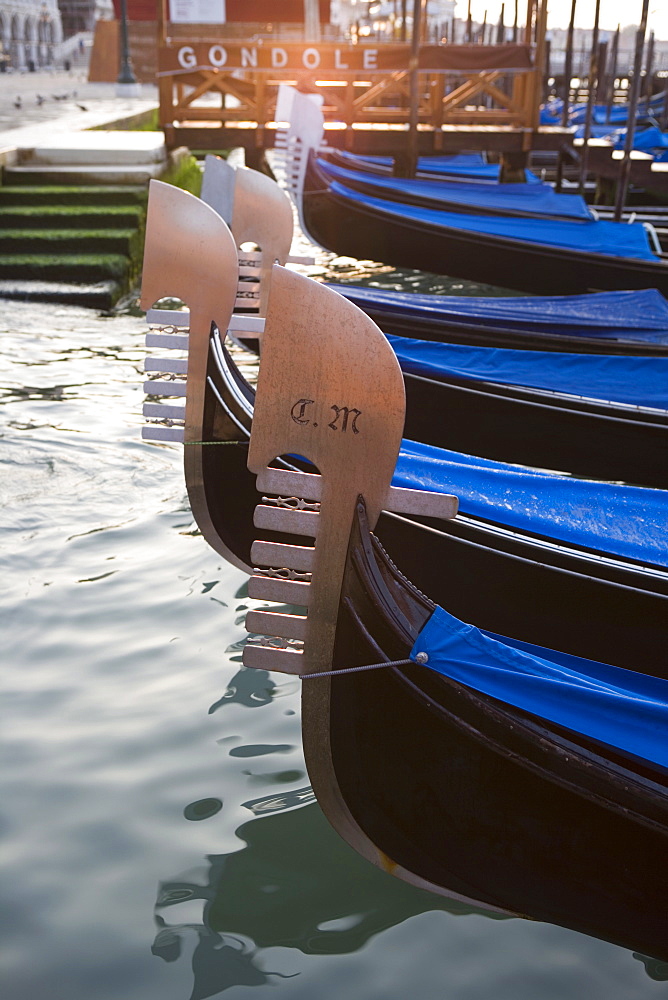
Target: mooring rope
pixel 355 670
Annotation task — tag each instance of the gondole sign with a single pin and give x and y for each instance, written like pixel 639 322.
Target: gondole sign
pixel 192 56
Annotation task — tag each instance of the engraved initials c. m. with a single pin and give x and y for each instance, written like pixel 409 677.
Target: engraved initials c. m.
pixel 346 411
pixel 297 411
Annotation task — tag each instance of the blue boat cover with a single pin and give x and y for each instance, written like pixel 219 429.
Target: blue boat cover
pixel 619 708
pixel 626 521
pixel 520 199
pixel 551 112
pixel 466 165
pixel 610 239
pixel 637 381
pixel 619 113
pixel 646 139
pixel 632 315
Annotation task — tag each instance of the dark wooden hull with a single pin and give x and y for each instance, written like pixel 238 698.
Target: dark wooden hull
pixel 511 424
pixel 347 226
pixel 613 610
pixel 454 790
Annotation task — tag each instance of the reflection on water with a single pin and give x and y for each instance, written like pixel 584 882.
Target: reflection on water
pixel 251 688
pixel 295 885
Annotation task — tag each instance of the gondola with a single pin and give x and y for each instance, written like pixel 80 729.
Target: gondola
pixel 582 582
pixel 533 255
pixel 609 323
pixel 529 200
pixel 519 808
pixel 528 254
pixel 469 167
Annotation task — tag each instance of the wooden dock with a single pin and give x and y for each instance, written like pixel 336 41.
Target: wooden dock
pixel 218 92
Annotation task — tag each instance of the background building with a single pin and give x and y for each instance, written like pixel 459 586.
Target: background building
pixel 30 31
pixel 81 15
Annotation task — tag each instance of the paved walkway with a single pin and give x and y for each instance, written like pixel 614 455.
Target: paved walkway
pixel 36 105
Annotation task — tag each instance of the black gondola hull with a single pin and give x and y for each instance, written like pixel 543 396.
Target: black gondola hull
pixel 349 227
pixel 477 799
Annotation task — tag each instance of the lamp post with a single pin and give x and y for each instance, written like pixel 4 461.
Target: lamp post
pixel 126 76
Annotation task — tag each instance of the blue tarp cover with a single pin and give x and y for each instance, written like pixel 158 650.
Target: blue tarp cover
pixel 637 315
pixel 551 112
pixel 627 521
pixel 634 380
pixel 646 139
pixel 465 165
pixel 527 199
pixel 612 239
pixel 620 708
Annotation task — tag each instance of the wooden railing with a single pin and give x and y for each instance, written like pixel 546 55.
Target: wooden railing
pixel 207 78
pixel 359 83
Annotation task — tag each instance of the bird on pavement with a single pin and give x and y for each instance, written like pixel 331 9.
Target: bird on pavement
pixel 18 103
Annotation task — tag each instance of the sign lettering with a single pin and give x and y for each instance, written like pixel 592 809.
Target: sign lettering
pixel 311 58
pixel 217 56
pixel 186 57
pixel 248 57
pixel 180 57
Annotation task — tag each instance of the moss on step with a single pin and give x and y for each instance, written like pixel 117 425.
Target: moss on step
pixel 71 216
pixel 57 194
pixel 70 241
pixel 62 267
pixel 186 174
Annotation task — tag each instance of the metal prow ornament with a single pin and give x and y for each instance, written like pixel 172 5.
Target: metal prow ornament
pixel 189 254
pixel 330 390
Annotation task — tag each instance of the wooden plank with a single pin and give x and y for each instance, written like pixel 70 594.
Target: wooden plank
pixel 298 557
pixel 295 522
pixel 273 623
pixel 269 588
pixel 397 499
pixel 285 661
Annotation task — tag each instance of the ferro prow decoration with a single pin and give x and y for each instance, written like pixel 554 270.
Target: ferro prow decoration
pixel 330 390
pixel 257 211
pixel 190 255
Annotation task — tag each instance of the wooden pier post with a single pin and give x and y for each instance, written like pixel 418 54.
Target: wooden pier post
pixel 591 97
pixel 568 74
pixel 649 67
pixel 610 96
pixel 411 165
pixel 625 169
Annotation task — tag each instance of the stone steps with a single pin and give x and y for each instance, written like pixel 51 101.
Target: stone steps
pixel 94 295
pixel 70 216
pixel 61 267
pixel 81 175
pixel 69 241
pixel 58 194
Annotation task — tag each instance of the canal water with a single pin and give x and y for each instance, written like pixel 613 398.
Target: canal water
pixel 160 838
